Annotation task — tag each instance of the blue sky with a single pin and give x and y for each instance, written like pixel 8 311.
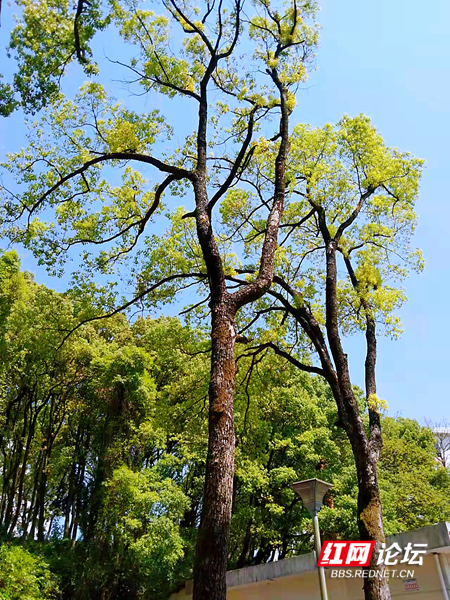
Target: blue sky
pixel 389 59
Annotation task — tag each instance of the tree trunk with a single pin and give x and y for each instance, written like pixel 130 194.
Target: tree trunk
pixel 212 543
pixel 366 449
pixel 242 560
pixel 370 520
pixel 211 551
pixel 369 512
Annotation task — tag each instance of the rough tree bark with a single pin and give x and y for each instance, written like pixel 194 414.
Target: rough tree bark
pixel 366 450
pixel 366 447
pixel 212 546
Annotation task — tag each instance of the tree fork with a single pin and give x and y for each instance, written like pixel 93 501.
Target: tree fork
pixel 369 514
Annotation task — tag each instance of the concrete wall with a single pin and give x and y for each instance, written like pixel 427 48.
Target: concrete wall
pixel 297 579
pixel 306 586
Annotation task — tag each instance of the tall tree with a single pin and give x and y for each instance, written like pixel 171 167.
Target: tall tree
pixel 441 431
pixel 64 169
pixel 345 251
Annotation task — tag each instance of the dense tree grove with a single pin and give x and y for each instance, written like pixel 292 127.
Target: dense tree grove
pixel 103 445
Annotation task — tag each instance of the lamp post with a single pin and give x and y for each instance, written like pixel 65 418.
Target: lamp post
pixel 311 492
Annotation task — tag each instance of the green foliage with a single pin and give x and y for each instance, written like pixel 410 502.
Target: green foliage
pixel 7 102
pixel 87 210
pixel 284 428
pixel 140 515
pixel 112 459
pixel 365 192
pixel 12 283
pixel 415 486
pixel 43 44
pixel 24 576
pixel 89 415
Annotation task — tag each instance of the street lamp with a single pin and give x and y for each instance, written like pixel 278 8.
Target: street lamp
pixel 312 491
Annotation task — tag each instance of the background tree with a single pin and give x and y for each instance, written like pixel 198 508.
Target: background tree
pixel 441 431
pixel 414 472
pixel 25 576
pixel 346 248
pixel 81 450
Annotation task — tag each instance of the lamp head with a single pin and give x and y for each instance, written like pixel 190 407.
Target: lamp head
pixel 312 491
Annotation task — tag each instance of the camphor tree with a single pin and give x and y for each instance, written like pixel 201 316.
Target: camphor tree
pixel 345 250
pixel 80 149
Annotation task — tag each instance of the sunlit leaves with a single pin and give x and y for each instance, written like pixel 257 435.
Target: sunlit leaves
pixel 365 193
pixel 43 43
pixel 7 101
pixel 141 511
pixel 88 209
pixel 278 33
pixel 25 575
pixel 103 213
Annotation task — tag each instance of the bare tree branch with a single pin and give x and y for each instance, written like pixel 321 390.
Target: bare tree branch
pixel 237 163
pixel 132 301
pixel 176 171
